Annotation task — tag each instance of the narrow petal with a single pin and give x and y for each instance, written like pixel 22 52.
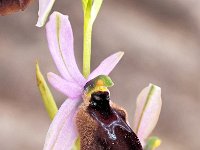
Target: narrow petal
pixel 68 88
pixel 148 109
pixel 107 65
pixel 62 132
pixel 45 7
pixel 60 40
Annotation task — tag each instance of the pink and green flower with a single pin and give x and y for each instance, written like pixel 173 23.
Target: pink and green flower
pixel 62 132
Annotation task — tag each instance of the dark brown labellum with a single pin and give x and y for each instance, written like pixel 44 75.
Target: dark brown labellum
pixel 103 126
pixel 113 132
pixel 11 6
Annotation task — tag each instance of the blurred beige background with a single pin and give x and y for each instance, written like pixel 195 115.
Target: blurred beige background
pixel 161 41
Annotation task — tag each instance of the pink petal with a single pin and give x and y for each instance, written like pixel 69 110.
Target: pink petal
pixel 68 88
pixel 62 132
pixel 107 65
pixel 44 10
pixel 148 109
pixel 60 40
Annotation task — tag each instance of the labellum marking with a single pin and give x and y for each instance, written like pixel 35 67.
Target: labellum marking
pixel 113 132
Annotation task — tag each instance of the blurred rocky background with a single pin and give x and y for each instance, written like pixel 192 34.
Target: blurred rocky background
pixel 161 41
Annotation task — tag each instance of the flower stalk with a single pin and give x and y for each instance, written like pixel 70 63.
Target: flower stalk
pixel 90 10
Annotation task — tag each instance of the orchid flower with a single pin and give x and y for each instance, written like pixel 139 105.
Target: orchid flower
pixel 62 132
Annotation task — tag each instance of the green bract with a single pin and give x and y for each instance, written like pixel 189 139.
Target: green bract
pixel 45 92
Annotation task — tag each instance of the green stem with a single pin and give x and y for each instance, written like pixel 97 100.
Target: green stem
pixel 90 9
pixel 87 38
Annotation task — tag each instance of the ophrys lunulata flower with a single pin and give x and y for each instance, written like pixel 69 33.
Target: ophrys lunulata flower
pixel 65 128
pixel 102 124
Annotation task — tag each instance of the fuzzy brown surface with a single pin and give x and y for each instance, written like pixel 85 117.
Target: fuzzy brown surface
pixel 88 127
pixel 11 6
